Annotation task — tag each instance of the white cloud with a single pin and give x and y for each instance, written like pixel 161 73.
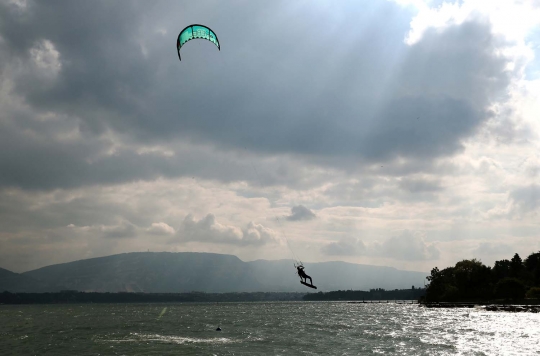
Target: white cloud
pixel 344 247
pixel 121 230
pixel 160 228
pixel 20 4
pixel 46 58
pixel 208 230
pixel 406 246
pixel 493 249
pixel 513 19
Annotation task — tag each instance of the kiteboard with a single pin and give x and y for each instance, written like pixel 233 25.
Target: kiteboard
pixel 308 285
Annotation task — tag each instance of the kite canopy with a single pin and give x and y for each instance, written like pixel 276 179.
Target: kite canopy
pixel 195 31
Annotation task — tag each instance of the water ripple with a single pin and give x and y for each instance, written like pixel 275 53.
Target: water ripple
pixel 311 328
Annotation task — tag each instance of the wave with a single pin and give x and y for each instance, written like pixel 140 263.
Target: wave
pixel 172 339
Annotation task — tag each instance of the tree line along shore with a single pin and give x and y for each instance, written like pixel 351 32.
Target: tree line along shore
pixel 508 281
pixel 72 296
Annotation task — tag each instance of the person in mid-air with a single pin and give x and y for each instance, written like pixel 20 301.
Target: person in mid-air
pixel 303 275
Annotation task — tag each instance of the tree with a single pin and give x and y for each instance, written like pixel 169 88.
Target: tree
pixel 532 262
pixel 510 288
pixel 440 283
pixel 533 293
pixel 472 278
pixel 434 274
pixel 501 269
pixel 532 266
pixel 516 266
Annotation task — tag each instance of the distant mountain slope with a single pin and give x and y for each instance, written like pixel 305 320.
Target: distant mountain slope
pixel 214 273
pixel 5 273
pixel 206 272
pixel 152 272
pixel 14 282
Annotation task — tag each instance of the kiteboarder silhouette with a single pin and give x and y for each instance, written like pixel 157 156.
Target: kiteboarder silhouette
pixel 304 277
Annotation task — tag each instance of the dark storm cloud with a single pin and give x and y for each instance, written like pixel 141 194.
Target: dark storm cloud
pixel 300 213
pixel 103 72
pixel 332 83
pixel 33 162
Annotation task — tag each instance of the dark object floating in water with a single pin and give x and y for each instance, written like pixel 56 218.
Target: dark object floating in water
pixel 218 329
pixel 308 285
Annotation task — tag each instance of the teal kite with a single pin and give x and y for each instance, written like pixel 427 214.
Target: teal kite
pixel 195 31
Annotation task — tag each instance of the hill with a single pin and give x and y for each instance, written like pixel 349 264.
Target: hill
pixel 164 272
pixel 15 282
pixel 159 272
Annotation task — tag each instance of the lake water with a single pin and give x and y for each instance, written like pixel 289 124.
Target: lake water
pixel 295 328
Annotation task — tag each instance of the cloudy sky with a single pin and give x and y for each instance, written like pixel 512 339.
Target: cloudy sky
pixel 400 133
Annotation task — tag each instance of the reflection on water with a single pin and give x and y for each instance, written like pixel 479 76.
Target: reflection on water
pixel 264 328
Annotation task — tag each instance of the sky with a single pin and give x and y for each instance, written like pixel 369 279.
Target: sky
pixel 399 133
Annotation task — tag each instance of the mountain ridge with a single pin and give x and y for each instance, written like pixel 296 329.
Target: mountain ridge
pixel 176 272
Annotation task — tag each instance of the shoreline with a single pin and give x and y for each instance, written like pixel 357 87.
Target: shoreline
pixel 516 308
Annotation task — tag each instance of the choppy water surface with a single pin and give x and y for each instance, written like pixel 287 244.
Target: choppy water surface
pixel 264 329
